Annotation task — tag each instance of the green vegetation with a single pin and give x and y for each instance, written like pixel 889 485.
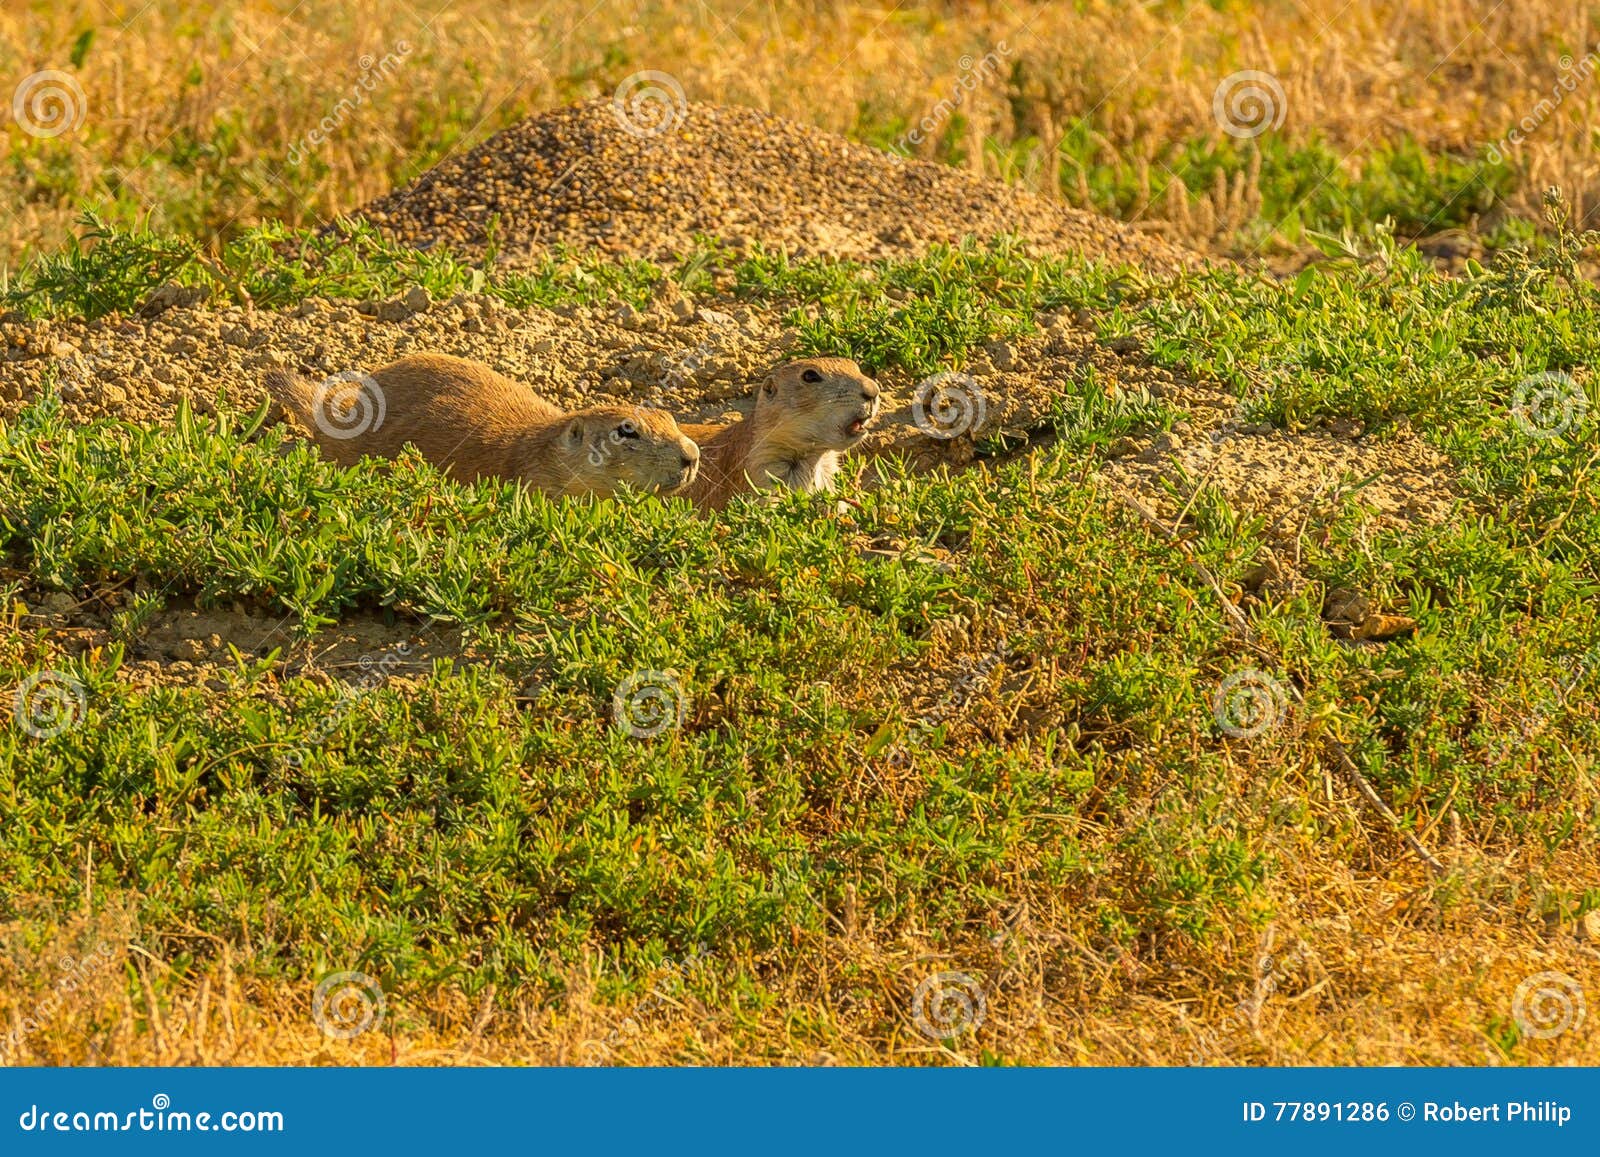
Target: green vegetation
pixel 485 820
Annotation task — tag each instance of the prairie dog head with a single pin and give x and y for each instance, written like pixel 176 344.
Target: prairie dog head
pixel 818 403
pixel 604 447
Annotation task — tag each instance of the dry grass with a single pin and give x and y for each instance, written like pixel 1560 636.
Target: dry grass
pixel 1353 954
pixel 1352 967
pixel 192 116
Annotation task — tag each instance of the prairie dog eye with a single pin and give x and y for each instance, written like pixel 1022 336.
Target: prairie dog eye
pixel 626 430
pixel 811 376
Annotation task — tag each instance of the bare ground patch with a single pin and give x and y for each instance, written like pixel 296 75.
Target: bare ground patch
pixel 702 362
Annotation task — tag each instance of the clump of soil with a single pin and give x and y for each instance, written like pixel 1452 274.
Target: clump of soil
pixel 600 176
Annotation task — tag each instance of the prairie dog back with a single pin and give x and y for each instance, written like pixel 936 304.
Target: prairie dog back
pixel 475 423
pixel 429 400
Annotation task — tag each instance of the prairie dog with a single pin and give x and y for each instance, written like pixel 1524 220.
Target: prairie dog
pixel 475 423
pixel 807 413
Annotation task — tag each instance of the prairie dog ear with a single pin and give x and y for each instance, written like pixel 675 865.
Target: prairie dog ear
pixel 769 386
pixel 575 431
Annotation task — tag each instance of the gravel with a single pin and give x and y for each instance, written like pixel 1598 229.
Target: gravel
pixel 578 177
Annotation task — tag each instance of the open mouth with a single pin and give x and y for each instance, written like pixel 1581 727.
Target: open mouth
pixel 856 427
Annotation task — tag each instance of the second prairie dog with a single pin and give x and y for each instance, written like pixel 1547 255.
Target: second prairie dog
pixel 475 423
pixel 807 413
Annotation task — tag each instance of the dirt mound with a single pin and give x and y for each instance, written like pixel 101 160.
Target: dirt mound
pixel 598 175
pixel 702 364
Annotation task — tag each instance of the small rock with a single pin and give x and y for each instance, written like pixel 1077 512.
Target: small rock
pixel 1002 354
pixel 417 299
pixel 626 316
pixel 1164 446
pixel 170 296
pixel 683 309
pixel 393 311
pixel 1345 606
pixel 1590 925
pixel 57 603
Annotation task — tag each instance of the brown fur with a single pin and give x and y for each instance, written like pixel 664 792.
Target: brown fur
pixel 475 423
pixel 793 437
